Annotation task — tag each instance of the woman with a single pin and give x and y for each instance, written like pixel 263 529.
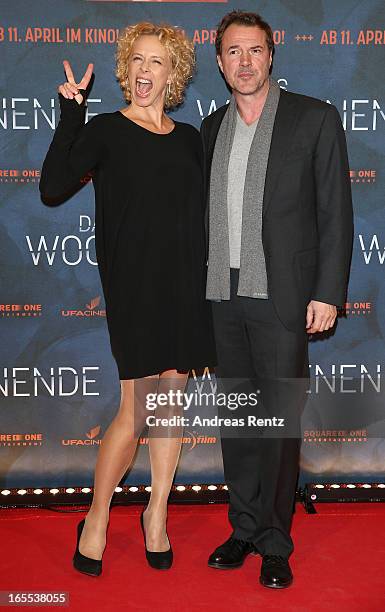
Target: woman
pixel 150 246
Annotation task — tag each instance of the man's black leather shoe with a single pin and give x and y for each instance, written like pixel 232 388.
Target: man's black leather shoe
pixel 275 572
pixel 231 554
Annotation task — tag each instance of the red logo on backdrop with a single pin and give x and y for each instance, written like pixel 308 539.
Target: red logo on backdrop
pixel 16 175
pixel 21 439
pixel 20 310
pixel 91 310
pixel 363 175
pixel 192 439
pixel 356 308
pixel 90 440
pixel 93 432
pixel 349 436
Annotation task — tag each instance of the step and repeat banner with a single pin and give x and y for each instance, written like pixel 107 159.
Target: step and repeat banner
pixel 59 385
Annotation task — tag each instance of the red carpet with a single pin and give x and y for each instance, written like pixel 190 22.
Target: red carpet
pixel 338 562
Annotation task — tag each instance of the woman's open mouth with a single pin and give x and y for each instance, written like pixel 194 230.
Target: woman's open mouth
pixel 143 87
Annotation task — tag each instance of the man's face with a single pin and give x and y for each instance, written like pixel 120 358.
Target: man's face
pixel 245 59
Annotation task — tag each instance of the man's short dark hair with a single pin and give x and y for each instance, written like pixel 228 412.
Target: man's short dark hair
pixel 245 19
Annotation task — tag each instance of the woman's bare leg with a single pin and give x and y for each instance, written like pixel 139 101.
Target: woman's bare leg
pixel 114 458
pixel 164 447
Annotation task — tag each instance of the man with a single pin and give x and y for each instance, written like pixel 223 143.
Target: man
pixel 280 236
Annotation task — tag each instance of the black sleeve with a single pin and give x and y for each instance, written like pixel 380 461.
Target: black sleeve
pixel 75 149
pixel 334 211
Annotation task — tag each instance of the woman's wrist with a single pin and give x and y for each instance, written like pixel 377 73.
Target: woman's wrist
pixel 84 99
pixel 71 112
pixel 69 102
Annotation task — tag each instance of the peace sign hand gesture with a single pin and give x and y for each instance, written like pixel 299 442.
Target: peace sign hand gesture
pixel 70 89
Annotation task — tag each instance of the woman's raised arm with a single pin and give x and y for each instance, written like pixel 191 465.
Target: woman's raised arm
pixel 76 147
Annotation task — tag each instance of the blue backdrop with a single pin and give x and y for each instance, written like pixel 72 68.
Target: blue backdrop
pixel 58 381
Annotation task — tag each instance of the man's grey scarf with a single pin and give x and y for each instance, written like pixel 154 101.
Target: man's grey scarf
pixel 252 273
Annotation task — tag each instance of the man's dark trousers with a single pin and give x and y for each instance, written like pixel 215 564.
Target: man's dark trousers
pixel 261 471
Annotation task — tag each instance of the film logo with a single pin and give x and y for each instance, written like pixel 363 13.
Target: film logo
pixel 356 308
pixel 21 439
pixel 349 436
pixel 24 175
pixel 190 441
pixel 20 310
pixel 91 310
pixel 363 176
pixel 91 439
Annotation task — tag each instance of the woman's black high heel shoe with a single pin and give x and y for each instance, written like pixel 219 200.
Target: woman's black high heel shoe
pixel 86 565
pixel 157 560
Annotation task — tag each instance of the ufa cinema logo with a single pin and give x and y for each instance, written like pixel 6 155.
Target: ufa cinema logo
pixel 70 249
pixel 91 439
pixel 370 248
pixel 91 310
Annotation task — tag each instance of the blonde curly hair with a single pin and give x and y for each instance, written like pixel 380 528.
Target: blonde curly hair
pixel 180 50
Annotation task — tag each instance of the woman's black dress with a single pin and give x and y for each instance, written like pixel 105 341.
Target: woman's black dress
pixel 149 234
